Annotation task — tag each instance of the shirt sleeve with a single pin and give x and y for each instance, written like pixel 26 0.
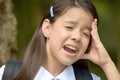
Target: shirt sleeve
pixel 95 77
pixel 1 71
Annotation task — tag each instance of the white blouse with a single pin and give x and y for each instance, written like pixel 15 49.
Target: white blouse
pixel 43 74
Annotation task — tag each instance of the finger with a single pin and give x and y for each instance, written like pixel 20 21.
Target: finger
pixel 96 42
pixel 94 32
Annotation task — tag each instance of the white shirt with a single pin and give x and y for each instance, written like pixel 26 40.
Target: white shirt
pixel 43 74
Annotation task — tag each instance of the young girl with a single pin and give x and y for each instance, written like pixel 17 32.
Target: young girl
pixel 67 31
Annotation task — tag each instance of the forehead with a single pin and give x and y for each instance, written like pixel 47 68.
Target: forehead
pixel 77 15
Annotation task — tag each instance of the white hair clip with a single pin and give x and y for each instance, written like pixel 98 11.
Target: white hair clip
pixel 51 11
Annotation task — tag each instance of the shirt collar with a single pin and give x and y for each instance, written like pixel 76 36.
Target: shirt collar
pixel 67 74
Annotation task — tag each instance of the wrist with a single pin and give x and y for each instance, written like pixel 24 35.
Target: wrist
pixel 108 64
pixel 111 71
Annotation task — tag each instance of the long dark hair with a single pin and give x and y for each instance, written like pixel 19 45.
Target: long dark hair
pixel 36 52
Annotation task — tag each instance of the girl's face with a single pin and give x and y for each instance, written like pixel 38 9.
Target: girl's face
pixel 68 38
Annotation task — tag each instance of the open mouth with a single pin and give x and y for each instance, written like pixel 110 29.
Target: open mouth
pixel 70 49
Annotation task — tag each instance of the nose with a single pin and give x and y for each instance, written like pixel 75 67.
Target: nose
pixel 76 36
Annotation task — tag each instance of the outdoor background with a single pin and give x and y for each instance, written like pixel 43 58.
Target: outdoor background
pixel 28 13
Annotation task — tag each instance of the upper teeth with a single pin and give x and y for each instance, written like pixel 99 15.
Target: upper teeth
pixel 71 47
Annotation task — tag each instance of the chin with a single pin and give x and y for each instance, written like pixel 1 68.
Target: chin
pixel 67 63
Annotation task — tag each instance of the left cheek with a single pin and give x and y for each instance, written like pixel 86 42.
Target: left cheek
pixel 85 44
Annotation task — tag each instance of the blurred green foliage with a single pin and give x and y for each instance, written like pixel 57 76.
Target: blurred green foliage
pixel 29 14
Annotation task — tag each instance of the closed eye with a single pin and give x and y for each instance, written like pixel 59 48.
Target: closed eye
pixel 86 34
pixel 69 27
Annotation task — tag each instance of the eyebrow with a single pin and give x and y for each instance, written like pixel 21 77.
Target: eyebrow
pixel 72 22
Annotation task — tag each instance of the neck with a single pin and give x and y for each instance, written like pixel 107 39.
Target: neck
pixel 53 67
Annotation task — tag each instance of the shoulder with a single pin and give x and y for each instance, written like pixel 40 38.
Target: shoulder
pixel 95 77
pixel 2 71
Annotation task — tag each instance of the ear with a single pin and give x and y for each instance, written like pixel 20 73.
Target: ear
pixel 46 27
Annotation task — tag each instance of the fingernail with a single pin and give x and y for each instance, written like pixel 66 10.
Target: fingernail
pixel 95 21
